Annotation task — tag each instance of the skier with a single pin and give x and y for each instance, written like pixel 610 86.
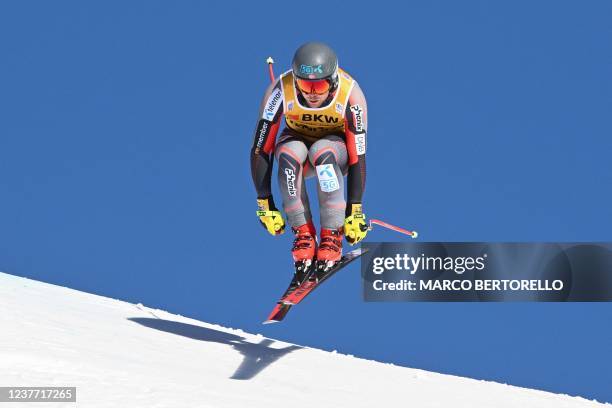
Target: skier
pixel 324 136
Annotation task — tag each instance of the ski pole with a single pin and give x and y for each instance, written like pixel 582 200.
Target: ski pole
pixel 412 234
pixel 270 61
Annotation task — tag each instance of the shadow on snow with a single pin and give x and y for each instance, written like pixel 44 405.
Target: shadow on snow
pixel 257 356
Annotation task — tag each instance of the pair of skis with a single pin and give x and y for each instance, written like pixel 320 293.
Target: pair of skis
pixel 307 279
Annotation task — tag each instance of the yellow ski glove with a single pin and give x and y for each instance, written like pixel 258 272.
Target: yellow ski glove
pixel 355 227
pixel 269 216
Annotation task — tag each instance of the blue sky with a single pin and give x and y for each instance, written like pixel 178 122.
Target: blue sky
pixel 125 130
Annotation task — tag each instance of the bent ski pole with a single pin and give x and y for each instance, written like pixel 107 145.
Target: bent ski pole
pixel 412 234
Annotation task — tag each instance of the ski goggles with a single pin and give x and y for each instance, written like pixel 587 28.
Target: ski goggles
pixel 318 87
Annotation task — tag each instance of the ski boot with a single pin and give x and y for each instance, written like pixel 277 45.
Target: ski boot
pixel 304 249
pixel 330 250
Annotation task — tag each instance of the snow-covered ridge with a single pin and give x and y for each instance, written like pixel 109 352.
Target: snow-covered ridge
pixel 119 354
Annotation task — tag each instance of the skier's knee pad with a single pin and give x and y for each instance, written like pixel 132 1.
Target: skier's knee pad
pixel 294 148
pixel 327 156
pixel 289 159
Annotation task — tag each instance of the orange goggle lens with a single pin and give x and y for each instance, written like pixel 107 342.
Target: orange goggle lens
pixel 317 87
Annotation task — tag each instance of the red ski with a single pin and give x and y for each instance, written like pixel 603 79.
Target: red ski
pixel 278 313
pixel 315 276
pixel 302 271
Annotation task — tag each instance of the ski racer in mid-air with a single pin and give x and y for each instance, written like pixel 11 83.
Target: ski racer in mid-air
pixel 325 115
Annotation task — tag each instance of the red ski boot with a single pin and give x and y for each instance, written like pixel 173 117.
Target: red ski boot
pixel 330 249
pixel 304 245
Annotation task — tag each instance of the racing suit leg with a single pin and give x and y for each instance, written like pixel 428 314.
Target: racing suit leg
pixel 292 157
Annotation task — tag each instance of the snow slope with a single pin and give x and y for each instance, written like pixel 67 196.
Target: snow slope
pixel 119 354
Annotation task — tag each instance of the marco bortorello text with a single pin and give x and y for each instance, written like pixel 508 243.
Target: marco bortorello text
pixel 474 271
